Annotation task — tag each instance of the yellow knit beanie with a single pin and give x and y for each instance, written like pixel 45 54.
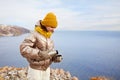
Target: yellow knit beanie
pixel 50 20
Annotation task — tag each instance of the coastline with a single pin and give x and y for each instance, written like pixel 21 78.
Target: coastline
pixel 14 73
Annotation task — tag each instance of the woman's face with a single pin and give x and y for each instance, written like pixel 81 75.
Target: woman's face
pixel 50 29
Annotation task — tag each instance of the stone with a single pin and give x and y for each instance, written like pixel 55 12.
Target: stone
pixel 75 78
pixel 13 73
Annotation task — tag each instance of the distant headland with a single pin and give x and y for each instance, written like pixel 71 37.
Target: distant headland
pixel 12 30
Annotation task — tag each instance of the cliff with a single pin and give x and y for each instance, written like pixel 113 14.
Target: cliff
pixel 10 30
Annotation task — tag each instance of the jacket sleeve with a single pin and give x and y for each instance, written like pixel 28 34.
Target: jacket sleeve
pixel 27 46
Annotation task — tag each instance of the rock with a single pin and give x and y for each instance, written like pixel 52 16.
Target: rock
pixel 13 73
pixel 101 78
pixel 61 71
pixel 75 78
pixel 1 78
pixel 68 75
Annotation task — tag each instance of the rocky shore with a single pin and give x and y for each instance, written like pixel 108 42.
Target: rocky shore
pixel 13 73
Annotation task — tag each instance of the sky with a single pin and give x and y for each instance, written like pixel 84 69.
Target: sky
pixel 71 14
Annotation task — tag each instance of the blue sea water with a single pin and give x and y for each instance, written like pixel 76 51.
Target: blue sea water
pixel 85 53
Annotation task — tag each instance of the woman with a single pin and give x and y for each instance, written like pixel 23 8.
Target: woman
pixel 38 48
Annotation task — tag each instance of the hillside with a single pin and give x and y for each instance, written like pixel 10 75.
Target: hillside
pixel 10 30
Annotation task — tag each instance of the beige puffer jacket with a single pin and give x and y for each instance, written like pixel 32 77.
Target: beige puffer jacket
pixel 30 48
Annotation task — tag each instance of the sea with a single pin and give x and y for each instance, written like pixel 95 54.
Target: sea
pixel 85 54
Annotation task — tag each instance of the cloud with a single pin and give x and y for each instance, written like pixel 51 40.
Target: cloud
pixel 71 15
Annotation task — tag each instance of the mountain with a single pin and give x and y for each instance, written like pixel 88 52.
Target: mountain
pixel 11 30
